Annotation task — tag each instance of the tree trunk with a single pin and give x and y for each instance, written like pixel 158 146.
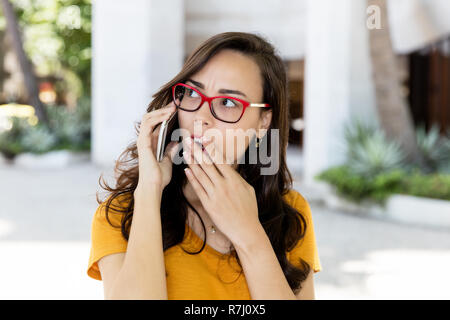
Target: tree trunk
pixel 25 65
pixel 393 109
pixel 3 73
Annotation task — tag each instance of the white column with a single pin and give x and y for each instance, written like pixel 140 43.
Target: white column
pixel 337 79
pixel 138 45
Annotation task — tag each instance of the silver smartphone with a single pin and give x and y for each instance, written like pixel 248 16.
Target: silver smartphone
pixel 162 137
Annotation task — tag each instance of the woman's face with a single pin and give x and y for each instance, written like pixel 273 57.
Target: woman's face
pixel 229 70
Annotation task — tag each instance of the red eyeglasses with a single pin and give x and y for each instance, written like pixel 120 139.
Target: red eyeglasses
pixel 224 108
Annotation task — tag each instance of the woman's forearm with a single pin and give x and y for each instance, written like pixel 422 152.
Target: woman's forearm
pixel 142 275
pixel 265 278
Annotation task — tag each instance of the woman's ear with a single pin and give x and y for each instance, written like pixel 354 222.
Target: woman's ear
pixel 265 119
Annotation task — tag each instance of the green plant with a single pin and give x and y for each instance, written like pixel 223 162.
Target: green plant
pixel 68 130
pixel 356 188
pixel 376 168
pixel 57 40
pixel 10 140
pixel 38 139
pixel 444 166
pixel 369 152
pixel 431 186
pixel 435 149
pixel 356 132
pixel 346 182
pixel 387 183
pixel 71 128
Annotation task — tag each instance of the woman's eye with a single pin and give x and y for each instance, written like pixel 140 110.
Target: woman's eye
pixel 229 103
pixel 192 93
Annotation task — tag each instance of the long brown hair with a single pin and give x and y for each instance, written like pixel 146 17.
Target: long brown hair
pixel 284 225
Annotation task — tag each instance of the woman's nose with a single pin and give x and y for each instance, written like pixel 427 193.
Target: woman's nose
pixel 204 114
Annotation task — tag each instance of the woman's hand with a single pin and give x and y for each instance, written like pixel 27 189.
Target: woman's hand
pixel 151 172
pixel 225 195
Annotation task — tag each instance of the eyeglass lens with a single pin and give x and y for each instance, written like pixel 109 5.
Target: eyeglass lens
pixel 225 109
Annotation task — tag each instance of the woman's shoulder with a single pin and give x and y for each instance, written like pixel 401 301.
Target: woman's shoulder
pixel 296 200
pixel 115 205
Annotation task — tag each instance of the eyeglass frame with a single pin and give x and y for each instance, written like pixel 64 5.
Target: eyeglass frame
pixel 209 99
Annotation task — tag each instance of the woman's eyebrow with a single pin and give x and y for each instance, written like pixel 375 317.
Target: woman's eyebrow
pixel 201 86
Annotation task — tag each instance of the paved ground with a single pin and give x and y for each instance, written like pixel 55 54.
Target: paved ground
pixel 45 218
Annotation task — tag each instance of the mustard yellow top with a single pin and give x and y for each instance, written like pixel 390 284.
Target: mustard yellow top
pixel 209 275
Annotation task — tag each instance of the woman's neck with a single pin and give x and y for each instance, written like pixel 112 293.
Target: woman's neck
pixel 191 196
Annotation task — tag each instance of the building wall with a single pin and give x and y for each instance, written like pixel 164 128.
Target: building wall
pixel 416 24
pixel 282 22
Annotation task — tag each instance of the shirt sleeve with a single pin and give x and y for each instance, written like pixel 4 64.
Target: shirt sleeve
pixel 306 248
pixel 105 238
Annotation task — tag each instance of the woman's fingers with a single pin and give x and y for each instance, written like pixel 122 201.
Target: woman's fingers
pixel 219 160
pixel 170 152
pixel 148 117
pixel 198 171
pixel 198 188
pixel 194 176
pixel 148 123
pixel 167 109
pixel 146 143
pixel 202 157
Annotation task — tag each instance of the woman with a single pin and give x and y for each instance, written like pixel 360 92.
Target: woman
pixel 209 229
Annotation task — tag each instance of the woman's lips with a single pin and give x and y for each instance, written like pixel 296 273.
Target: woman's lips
pixel 201 140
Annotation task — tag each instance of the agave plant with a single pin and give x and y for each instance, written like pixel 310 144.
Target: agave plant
pixel 444 166
pixel 435 149
pixel 71 127
pixel 369 152
pixel 356 133
pixel 376 155
pixel 38 139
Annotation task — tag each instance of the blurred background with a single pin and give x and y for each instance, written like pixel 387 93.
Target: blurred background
pixel 369 143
